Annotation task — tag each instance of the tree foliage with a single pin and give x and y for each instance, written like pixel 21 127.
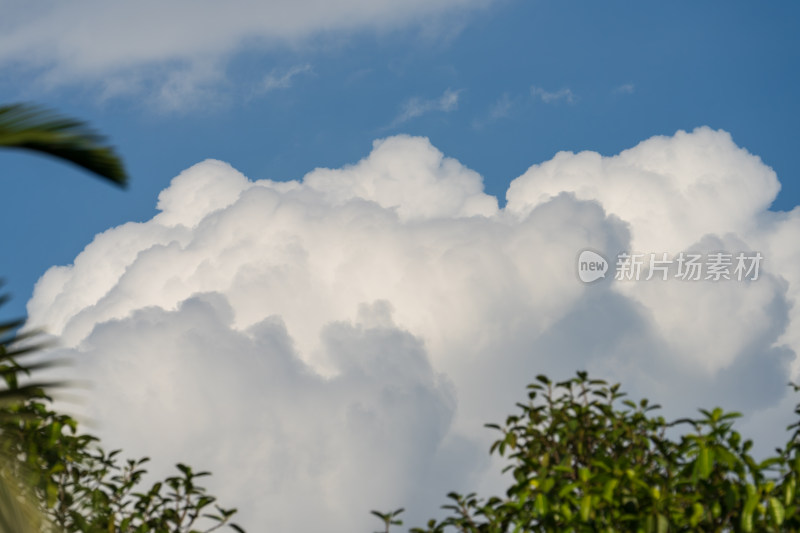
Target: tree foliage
pixel 582 462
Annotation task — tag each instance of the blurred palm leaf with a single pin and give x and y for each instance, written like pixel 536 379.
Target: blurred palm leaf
pixel 13 347
pixel 19 510
pixel 31 127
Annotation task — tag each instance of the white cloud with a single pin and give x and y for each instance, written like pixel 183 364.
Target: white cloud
pixel 334 345
pixel 548 97
pixel 501 108
pixel 278 80
pixel 625 88
pixel 122 43
pixel 416 107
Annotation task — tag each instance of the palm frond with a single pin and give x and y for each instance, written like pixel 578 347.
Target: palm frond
pixel 31 127
pixel 20 509
pixel 14 346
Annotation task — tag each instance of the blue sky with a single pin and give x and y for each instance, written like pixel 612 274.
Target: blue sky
pixel 339 263
pixel 634 70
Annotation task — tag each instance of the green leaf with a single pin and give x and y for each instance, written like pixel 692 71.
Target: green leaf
pixel 608 489
pixel 704 462
pixel 776 511
pixel 586 507
pixel 749 509
pixel 540 505
pixel 789 490
pixel 662 525
pixel 30 127
pixel 697 514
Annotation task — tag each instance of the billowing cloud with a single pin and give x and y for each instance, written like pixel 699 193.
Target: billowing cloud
pixel 125 45
pixel 334 345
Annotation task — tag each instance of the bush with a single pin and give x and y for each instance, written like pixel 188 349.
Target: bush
pixel 582 463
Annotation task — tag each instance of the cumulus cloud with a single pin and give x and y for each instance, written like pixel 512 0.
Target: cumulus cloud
pixel 416 107
pixel 548 97
pixel 335 344
pixel 124 44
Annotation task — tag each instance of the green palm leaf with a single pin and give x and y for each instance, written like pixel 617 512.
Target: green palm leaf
pixel 19 510
pixel 31 127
